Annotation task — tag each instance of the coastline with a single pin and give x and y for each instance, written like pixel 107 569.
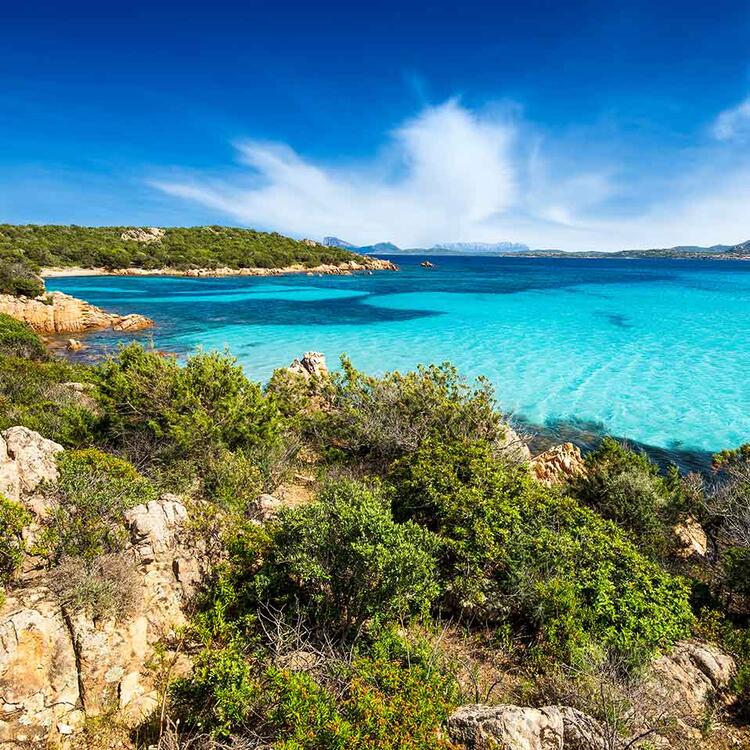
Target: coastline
pixel 343 269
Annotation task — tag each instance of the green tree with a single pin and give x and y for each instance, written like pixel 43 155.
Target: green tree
pixel 190 411
pixel 343 560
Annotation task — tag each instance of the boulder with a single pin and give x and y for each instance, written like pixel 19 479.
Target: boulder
pixel 267 507
pixel 312 365
pixel 39 685
pixel 505 727
pixel 26 460
pixel 74 345
pixel 153 526
pixel 690 679
pixel 10 485
pixel 559 464
pixel 513 447
pixel 692 538
pixel 132 322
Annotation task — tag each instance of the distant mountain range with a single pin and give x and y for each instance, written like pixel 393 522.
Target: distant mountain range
pixel 443 248
pixel 725 252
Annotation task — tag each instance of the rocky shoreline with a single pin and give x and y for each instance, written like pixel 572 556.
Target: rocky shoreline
pixel 58 313
pixel 327 269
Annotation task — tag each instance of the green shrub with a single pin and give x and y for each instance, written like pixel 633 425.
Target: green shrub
pixel 92 494
pixel 625 487
pixel 387 697
pixel 736 564
pixel 189 411
pixel 19 277
pixel 13 518
pixel 33 394
pixel 515 550
pixel 233 480
pixel 383 418
pixel 18 340
pixel 343 560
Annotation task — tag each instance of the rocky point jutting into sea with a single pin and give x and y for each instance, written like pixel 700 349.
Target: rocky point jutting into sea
pixel 58 313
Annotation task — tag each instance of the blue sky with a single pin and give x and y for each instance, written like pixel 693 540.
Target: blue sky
pixel 578 125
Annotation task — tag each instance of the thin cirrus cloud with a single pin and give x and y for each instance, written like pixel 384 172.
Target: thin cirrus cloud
pixel 456 174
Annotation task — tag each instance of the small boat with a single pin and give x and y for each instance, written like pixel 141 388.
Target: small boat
pixel 427 264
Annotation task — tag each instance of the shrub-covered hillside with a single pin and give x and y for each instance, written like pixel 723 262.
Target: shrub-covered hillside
pixel 423 567
pixel 178 248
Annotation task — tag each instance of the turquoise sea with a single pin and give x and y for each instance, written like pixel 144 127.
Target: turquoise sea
pixel 656 351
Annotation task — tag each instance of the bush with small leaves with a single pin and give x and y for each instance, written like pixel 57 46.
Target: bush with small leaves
pixel 232 480
pixel 18 340
pixel 19 277
pixel 343 560
pixel 625 487
pixel 92 494
pixel 381 695
pixel 185 412
pixel 33 394
pixel 514 550
pixel 382 418
pixel 13 519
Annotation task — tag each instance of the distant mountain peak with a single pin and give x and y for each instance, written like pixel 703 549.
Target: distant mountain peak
pixel 742 249
pixel 336 242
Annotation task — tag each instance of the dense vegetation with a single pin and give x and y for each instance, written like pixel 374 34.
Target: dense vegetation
pixel 335 624
pixel 23 249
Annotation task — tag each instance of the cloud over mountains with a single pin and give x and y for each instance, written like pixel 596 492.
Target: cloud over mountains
pixel 452 173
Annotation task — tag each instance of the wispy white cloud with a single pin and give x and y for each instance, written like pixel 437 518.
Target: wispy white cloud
pixel 733 123
pixel 456 174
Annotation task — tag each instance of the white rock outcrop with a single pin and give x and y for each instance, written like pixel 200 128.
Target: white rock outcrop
pixel 689 680
pixel 480 727
pixel 26 461
pixel 145 235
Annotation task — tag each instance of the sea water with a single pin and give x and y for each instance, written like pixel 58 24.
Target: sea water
pixel 656 351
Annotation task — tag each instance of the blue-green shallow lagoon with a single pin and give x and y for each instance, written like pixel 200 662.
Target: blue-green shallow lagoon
pixel 655 351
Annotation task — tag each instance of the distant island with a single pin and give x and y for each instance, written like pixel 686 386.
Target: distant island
pixel 515 249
